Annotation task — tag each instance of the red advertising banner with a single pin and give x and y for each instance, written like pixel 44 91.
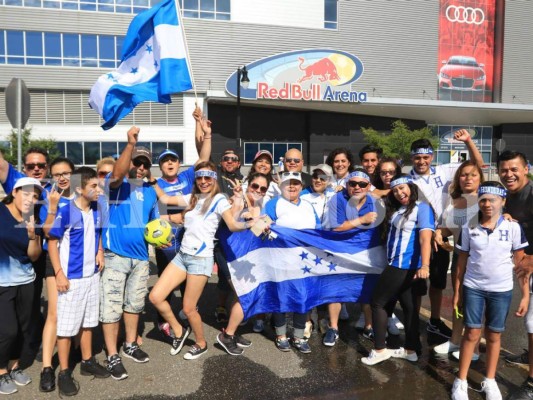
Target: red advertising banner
pixel 466 50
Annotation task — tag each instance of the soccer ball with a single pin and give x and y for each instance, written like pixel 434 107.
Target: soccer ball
pixel 158 232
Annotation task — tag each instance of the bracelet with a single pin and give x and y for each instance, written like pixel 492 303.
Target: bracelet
pixel 58 271
pixel 425 266
pixel 33 238
pixel 52 212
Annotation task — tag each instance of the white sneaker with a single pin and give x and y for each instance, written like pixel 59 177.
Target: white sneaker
pixel 360 324
pixel 491 389
pixel 446 347
pixel 344 313
pixel 398 323
pixel 457 353
pixel 460 389
pixel 376 357
pixel 402 353
pixel 392 328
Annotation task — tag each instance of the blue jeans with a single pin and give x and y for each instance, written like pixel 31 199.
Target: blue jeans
pixel 495 306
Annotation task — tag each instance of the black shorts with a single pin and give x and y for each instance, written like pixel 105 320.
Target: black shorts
pixel 49 269
pixel 419 287
pixel 438 268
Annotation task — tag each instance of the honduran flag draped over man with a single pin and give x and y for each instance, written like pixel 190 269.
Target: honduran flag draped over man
pixel 154 65
pixel 301 269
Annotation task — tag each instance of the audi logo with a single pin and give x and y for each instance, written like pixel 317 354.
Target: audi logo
pixel 465 15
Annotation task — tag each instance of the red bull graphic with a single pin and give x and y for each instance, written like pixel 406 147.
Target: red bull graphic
pixel 466 50
pixel 308 75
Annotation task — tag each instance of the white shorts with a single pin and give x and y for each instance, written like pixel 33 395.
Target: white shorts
pixel 528 320
pixel 79 306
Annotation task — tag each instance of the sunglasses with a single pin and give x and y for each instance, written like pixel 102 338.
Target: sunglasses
pixel 38 165
pixel 65 175
pixel 230 158
pixel 200 178
pixel 293 160
pixel 354 184
pixel 137 163
pixel 384 172
pixel 255 186
pixel 292 174
pixel 103 174
pixel 323 178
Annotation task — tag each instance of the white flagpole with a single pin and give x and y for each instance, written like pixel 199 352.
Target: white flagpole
pixel 180 20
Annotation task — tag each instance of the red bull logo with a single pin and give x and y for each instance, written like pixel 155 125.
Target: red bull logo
pixel 308 75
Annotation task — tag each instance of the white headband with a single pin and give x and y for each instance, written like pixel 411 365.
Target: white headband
pixel 401 180
pixel 203 172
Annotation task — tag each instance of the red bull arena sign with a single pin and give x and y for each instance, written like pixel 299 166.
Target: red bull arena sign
pixel 308 75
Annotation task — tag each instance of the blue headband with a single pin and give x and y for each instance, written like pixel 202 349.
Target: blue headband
pixel 492 190
pixel 422 150
pixel 359 174
pixel 203 172
pixel 401 180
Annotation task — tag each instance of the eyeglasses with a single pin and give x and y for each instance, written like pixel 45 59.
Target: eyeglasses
pixel 255 186
pixel 354 184
pixel 32 166
pixel 65 175
pixel 323 178
pixel 230 158
pixel 385 172
pixel 293 160
pixel 137 163
pixel 103 174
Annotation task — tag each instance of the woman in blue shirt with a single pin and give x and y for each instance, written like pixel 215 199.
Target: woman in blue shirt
pixel 409 225
pixel 19 247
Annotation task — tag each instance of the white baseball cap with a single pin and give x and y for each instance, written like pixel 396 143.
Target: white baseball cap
pixel 27 181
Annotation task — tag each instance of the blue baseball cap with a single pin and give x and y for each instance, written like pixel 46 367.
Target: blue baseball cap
pixel 167 152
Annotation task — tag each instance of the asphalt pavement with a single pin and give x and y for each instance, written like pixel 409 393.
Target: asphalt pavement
pixel 263 372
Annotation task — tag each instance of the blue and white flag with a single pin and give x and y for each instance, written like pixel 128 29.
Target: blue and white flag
pixel 154 65
pixel 301 269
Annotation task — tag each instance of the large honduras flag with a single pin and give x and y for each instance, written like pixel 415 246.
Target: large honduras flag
pixel 300 270
pixel 154 65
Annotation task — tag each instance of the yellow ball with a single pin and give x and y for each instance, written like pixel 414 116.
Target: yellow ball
pixel 158 232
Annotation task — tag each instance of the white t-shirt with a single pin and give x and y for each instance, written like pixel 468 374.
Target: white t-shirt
pixel 490 266
pixel 320 204
pixel 456 218
pixel 434 187
pixel 200 228
pixel 301 215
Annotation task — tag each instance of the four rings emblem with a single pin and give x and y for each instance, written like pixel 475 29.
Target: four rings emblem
pixel 465 15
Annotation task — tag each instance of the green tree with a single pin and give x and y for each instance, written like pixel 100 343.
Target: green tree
pixel 397 142
pixel 10 151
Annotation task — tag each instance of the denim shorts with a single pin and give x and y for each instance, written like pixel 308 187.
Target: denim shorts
pixel 194 265
pixel 494 305
pixel 123 287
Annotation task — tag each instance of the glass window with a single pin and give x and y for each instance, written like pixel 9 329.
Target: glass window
pixel 89 53
pixel 266 146
pixel 107 47
pixel 71 45
pixel 120 42
pixel 34 44
pixel 60 146
pixel 191 5
pixel 177 147
pixel 92 152
pixel 279 151
pixel 223 17
pixel 141 3
pixel 32 3
pixel 190 14
pixel 15 43
pixel 87 7
pixel 51 4
pixel 109 149
pixel 2 46
pixel 223 6
pixel 52 44
pixel 121 147
pixel 249 152
pixel 158 148
pixel 207 5
pixel 330 14
pixel 75 152
pixel 13 2
pixel 69 5
pixel 207 15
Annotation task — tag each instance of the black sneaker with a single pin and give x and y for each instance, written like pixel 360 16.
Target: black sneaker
pixel 368 333
pixel 438 327
pixel 194 352
pixel 115 368
pixel 519 359
pixel 229 344
pixel 178 342
pixel 91 367
pixel 67 384
pixel 525 392
pixel 135 353
pixel 48 380
pixel 242 341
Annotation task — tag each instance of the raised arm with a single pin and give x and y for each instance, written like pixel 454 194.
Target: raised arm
pixel 202 136
pixel 4 168
pixel 122 166
pixel 463 136
pixel 169 200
